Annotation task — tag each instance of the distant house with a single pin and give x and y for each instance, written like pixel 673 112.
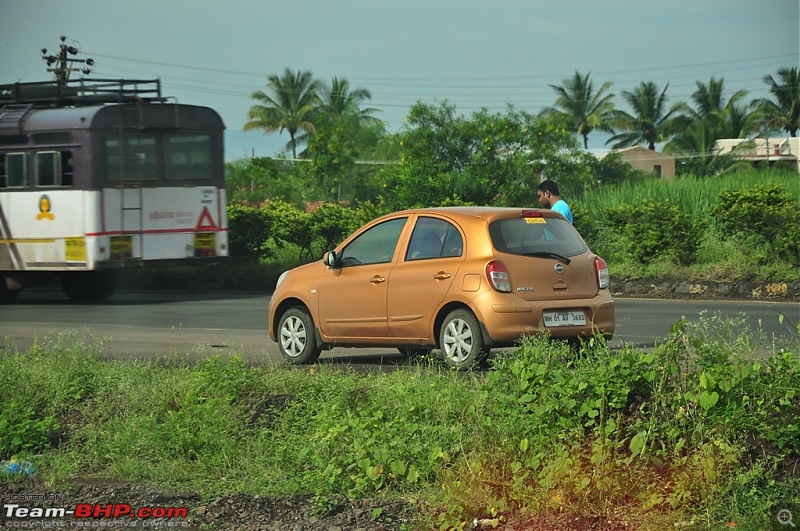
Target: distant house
pixel 647 160
pixel 762 150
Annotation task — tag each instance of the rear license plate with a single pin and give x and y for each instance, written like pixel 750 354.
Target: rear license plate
pixel 565 318
pixel 121 247
pixel 205 244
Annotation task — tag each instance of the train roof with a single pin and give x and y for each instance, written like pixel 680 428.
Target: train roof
pixel 81 92
pixel 48 106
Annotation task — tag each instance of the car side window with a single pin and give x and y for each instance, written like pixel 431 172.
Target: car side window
pixel 376 245
pixel 434 238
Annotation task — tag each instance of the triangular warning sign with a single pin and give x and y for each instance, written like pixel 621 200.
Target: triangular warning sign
pixel 206 222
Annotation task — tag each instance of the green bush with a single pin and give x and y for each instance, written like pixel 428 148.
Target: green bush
pixel 331 223
pixel 247 232
pixel 766 216
pixel 656 229
pixel 23 429
pixel 286 224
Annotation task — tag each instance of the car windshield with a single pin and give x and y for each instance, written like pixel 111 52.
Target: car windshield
pixel 538 236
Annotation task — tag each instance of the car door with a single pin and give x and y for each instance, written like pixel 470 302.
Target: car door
pixel 352 296
pixel 423 276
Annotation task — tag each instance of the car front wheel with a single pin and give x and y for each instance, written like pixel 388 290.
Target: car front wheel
pixel 460 340
pixel 296 338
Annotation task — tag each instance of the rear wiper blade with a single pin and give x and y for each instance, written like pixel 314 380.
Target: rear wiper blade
pixel 547 254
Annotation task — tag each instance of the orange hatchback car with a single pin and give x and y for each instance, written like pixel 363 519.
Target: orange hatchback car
pixel 460 279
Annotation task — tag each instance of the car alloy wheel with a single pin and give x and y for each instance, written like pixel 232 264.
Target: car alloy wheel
pixel 296 339
pixel 460 340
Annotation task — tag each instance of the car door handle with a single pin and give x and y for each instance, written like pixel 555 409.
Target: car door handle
pixel 377 279
pixel 441 275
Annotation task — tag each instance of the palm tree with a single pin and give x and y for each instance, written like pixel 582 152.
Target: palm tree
pixel 784 111
pixel 339 99
pixel 711 118
pixel 650 122
pixel 290 107
pixel 695 147
pixel 727 118
pixel 580 108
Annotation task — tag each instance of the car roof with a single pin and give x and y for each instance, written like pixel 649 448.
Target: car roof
pixel 485 212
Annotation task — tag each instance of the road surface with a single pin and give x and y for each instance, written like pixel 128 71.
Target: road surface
pixel 148 325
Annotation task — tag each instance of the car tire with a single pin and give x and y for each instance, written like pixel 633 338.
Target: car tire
pixel 296 338
pixel 7 294
pixel 460 340
pixel 89 286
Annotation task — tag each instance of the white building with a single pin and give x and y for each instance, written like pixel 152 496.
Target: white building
pixel 762 150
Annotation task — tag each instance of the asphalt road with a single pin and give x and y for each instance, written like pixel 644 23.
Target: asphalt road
pixel 152 326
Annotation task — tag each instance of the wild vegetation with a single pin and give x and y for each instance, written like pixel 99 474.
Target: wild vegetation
pixel 700 432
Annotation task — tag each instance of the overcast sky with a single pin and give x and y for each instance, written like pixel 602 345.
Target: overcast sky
pixel 473 53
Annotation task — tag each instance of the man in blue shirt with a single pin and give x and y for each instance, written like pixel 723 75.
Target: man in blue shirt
pixel 550 197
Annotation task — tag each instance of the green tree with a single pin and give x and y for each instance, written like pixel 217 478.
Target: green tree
pixel 290 107
pixel 580 108
pixel 342 134
pixel 333 152
pixel 711 118
pixel 783 111
pixel 432 148
pixel 650 122
pixel 337 99
pixel 728 118
pixel 257 180
pixel 694 149
pixel 486 158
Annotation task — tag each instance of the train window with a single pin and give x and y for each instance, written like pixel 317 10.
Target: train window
pixel 48 166
pixel 54 168
pixel 131 157
pixel 67 168
pixel 187 156
pixel 14 171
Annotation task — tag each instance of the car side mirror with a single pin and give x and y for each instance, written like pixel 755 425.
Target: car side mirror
pixel 330 260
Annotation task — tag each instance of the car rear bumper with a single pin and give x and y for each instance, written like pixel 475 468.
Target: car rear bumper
pixel 506 319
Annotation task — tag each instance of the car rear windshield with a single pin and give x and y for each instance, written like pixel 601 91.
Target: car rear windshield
pixel 535 235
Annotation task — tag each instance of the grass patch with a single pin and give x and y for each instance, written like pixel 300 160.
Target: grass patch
pixel 701 431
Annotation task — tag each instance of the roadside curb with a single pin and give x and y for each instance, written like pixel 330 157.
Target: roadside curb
pixel 704 290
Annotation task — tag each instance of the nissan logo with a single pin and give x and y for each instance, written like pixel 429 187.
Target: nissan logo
pixel 558 268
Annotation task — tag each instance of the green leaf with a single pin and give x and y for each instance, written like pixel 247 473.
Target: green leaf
pixel 708 400
pixel 638 442
pixel 523 445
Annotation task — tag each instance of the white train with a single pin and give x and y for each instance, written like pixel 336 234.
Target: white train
pixel 101 175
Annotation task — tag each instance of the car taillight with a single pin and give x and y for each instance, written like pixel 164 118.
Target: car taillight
pixel 602 272
pixel 497 274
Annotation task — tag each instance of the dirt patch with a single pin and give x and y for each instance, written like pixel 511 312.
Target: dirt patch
pixel 230 512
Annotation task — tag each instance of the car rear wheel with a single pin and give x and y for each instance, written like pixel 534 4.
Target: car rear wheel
pixel 460 340
pixel 296 339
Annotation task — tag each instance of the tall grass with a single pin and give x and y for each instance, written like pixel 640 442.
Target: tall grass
pixel 694 195
pixel 717 258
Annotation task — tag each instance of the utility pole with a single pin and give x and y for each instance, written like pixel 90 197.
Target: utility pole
pixel 64 63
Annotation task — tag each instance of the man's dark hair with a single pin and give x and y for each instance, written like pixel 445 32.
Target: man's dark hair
pixel 549 185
